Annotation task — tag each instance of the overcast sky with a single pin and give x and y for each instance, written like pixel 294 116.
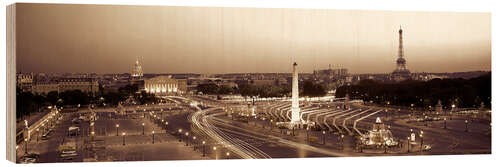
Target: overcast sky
pixel 108 39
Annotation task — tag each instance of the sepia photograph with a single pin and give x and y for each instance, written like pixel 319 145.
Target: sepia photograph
pixel 103 83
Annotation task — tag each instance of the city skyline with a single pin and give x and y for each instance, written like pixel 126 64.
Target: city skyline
pixel 245 40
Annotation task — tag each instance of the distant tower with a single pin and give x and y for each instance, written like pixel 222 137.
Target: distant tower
pixel 136 77
pixel 401 72
pixel 295 96
pixel 137 71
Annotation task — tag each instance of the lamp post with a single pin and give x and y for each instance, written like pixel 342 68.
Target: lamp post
pixel 37 134
pixel 254 122
pixel 153 133
pixel 194 143
pixel 180 135
pixel 143 128
pixel 187 138
pixel 342 140
pixel 444 123
pixel 203 143
pixel 25 145
pixel 466 126
pixel 451 112
pixel 386 114
pixel 307 134
pixel 324 135
pixel 117 126
pixel 123 134
pixel 271 125
pixel 421 140
pixel 227 154
pixel 215 150
pixel 409 144
pixel 166 125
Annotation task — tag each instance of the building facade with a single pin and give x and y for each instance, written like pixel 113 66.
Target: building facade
pixel 165 85
pixel 25 81
pixel 87 85
pixel 45 87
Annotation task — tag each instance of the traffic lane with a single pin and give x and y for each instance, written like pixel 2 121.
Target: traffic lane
pixel 58 137
pixel 267 144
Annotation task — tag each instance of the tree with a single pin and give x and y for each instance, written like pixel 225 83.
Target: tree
pixel 312 90
pixel 461 92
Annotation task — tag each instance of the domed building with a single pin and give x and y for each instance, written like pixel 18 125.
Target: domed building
pixel 137 74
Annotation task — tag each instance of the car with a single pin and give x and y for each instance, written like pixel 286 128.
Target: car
pixel 69 155
pixel 426 148
pixel 68 152
pixel 30 158
pixel 45 137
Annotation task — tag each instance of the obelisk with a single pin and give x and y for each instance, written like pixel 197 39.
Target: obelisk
pixel 295 97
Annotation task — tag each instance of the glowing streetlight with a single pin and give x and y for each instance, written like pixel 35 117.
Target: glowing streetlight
pixel 25 145
pixel 421 140
pixel 117 126
pixel 194 143
pixel 215 150
pixel 180 135
pixel 203 143
pixel 342 140
pixel 153 133
pixel 408 144
pixel 123 134
pixel 187 138
pixel 466 126
pixel 271 125
pixel 143 128
pixel 444 123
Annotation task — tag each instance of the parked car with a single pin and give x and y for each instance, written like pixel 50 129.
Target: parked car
pixel 30 158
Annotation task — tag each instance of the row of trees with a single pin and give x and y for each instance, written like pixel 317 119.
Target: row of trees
pixel 464 93
pixel 308 88
pixel 28 102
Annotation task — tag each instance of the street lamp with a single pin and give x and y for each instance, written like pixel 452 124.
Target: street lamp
pixel 203 142
pixel 215 150
pixel 153 132
pixel 117 126
pixel 342 140
pixel 123 134
pixel 271 125
pixel 408 144
pixel 386 113
pixel 37 134
pixel 180 135
pixel 324 133
pixel 25 145
pixel 187 138
pixel 307 134
pixel 421 140
pixel 227 154
pixel 166 125
pixel 451 112
pixel 143 128
pixel 444 123
pixel 466 126
pixel 194 143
